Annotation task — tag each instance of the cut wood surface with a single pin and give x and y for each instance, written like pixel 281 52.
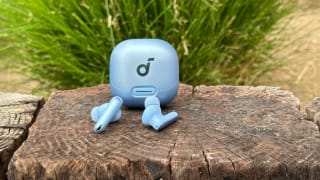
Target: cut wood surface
pixel 17 113
pixel 224 132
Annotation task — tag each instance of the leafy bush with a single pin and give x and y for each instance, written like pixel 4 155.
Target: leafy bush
pixel 66 44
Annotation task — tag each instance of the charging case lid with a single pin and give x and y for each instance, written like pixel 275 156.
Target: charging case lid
pixel 144 67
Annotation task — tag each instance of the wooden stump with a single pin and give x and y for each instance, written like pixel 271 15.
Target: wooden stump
pixel 313 111
pixel 17 113
pixel 224 132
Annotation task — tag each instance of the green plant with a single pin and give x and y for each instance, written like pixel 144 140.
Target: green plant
pixel 66 44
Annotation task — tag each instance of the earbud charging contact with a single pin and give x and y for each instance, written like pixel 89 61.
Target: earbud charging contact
pixel 143 91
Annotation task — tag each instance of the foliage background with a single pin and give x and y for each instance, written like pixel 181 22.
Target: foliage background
pixel 66 44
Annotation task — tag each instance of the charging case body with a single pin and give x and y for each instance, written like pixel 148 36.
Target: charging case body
pixel 140 68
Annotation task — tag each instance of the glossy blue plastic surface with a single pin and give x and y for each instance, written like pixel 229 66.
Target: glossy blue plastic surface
pixel 140 68
pixel 97 112
pixel 107 113
pixel 152 115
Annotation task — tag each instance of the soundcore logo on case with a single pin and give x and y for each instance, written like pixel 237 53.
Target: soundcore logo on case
pixel 143 69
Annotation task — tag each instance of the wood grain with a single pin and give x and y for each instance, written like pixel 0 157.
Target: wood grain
pixel 224 132
pixel 17 113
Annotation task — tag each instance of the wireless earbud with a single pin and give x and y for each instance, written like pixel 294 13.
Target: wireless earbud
pixel 97 112
pixel 152 115
pixel 106 113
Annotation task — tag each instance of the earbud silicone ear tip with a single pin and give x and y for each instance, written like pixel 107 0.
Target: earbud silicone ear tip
pixel 152 115
pixel 94 114
pixel 106 113
pixel 152 100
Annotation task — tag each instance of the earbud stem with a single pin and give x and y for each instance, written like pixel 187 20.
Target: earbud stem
pixel 110 114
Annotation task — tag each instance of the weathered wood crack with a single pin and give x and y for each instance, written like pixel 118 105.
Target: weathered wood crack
pixel 207 161
pixel 234 167
pixel 170 159
pixel 10 126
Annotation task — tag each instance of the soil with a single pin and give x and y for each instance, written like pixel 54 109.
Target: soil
pixel 300 75
pixel 14 82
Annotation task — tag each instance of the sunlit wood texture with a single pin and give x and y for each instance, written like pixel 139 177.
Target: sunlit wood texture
pixel 224 132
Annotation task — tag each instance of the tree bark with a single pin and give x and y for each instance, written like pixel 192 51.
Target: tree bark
pixel 17 113
pixel 224 132
pixel 313 111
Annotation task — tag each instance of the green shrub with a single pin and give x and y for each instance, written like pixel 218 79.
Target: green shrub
pixel 67 43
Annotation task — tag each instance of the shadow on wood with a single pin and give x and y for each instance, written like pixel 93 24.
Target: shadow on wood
pixel 224 132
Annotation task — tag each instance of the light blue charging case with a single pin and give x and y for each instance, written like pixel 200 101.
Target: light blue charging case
pixel 140 68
